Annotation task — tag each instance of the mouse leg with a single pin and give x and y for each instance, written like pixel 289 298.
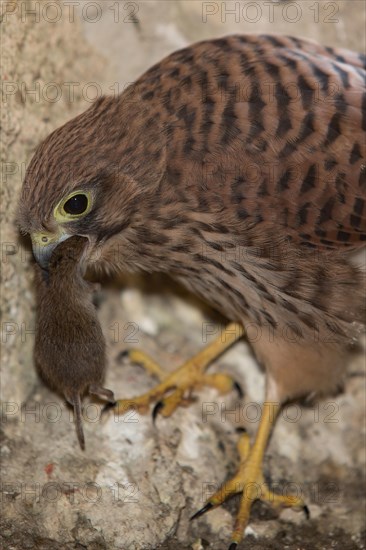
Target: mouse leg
pixel 102 393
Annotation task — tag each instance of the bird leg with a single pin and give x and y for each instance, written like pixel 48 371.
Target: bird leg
pixel 249 480
pixel 175 388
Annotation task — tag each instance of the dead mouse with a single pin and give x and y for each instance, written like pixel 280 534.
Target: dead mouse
pixel 70 349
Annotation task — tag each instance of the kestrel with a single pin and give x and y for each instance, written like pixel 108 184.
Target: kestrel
pixel 236 165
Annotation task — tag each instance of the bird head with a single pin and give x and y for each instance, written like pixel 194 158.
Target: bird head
pixel 60 222
pixel 87 178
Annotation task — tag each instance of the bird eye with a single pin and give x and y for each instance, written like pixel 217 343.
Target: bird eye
pixel 76 205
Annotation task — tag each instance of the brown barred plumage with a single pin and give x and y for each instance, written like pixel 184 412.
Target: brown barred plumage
pixel 237 165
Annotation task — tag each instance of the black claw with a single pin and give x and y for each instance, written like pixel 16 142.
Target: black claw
pixel 159 405
pixel 241 430
pixel 238 388
pixel 202 511
pixel 123 355
pixel 109 406
pixel 306 511
pixel 233 546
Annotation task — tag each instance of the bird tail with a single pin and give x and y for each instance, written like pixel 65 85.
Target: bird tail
pixel 76 401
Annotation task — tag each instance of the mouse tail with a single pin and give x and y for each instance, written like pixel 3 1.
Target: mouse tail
pixel 76 401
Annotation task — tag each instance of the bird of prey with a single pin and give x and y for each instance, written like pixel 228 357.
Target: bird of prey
pixel 237 166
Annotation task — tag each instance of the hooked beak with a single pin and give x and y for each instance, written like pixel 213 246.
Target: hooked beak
pixel 43 244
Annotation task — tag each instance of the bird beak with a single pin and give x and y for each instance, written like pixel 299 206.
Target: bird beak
pixel 43 244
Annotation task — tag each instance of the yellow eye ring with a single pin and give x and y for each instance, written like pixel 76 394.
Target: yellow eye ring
pixel 74 206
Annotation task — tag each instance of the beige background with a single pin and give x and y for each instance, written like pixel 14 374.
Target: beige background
pixel 135 486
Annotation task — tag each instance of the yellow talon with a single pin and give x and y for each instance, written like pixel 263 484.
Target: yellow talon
pixel 249 480
pixel 182 381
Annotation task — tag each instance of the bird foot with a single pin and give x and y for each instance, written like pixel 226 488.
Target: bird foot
pixel 175 389
pixel 249 481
